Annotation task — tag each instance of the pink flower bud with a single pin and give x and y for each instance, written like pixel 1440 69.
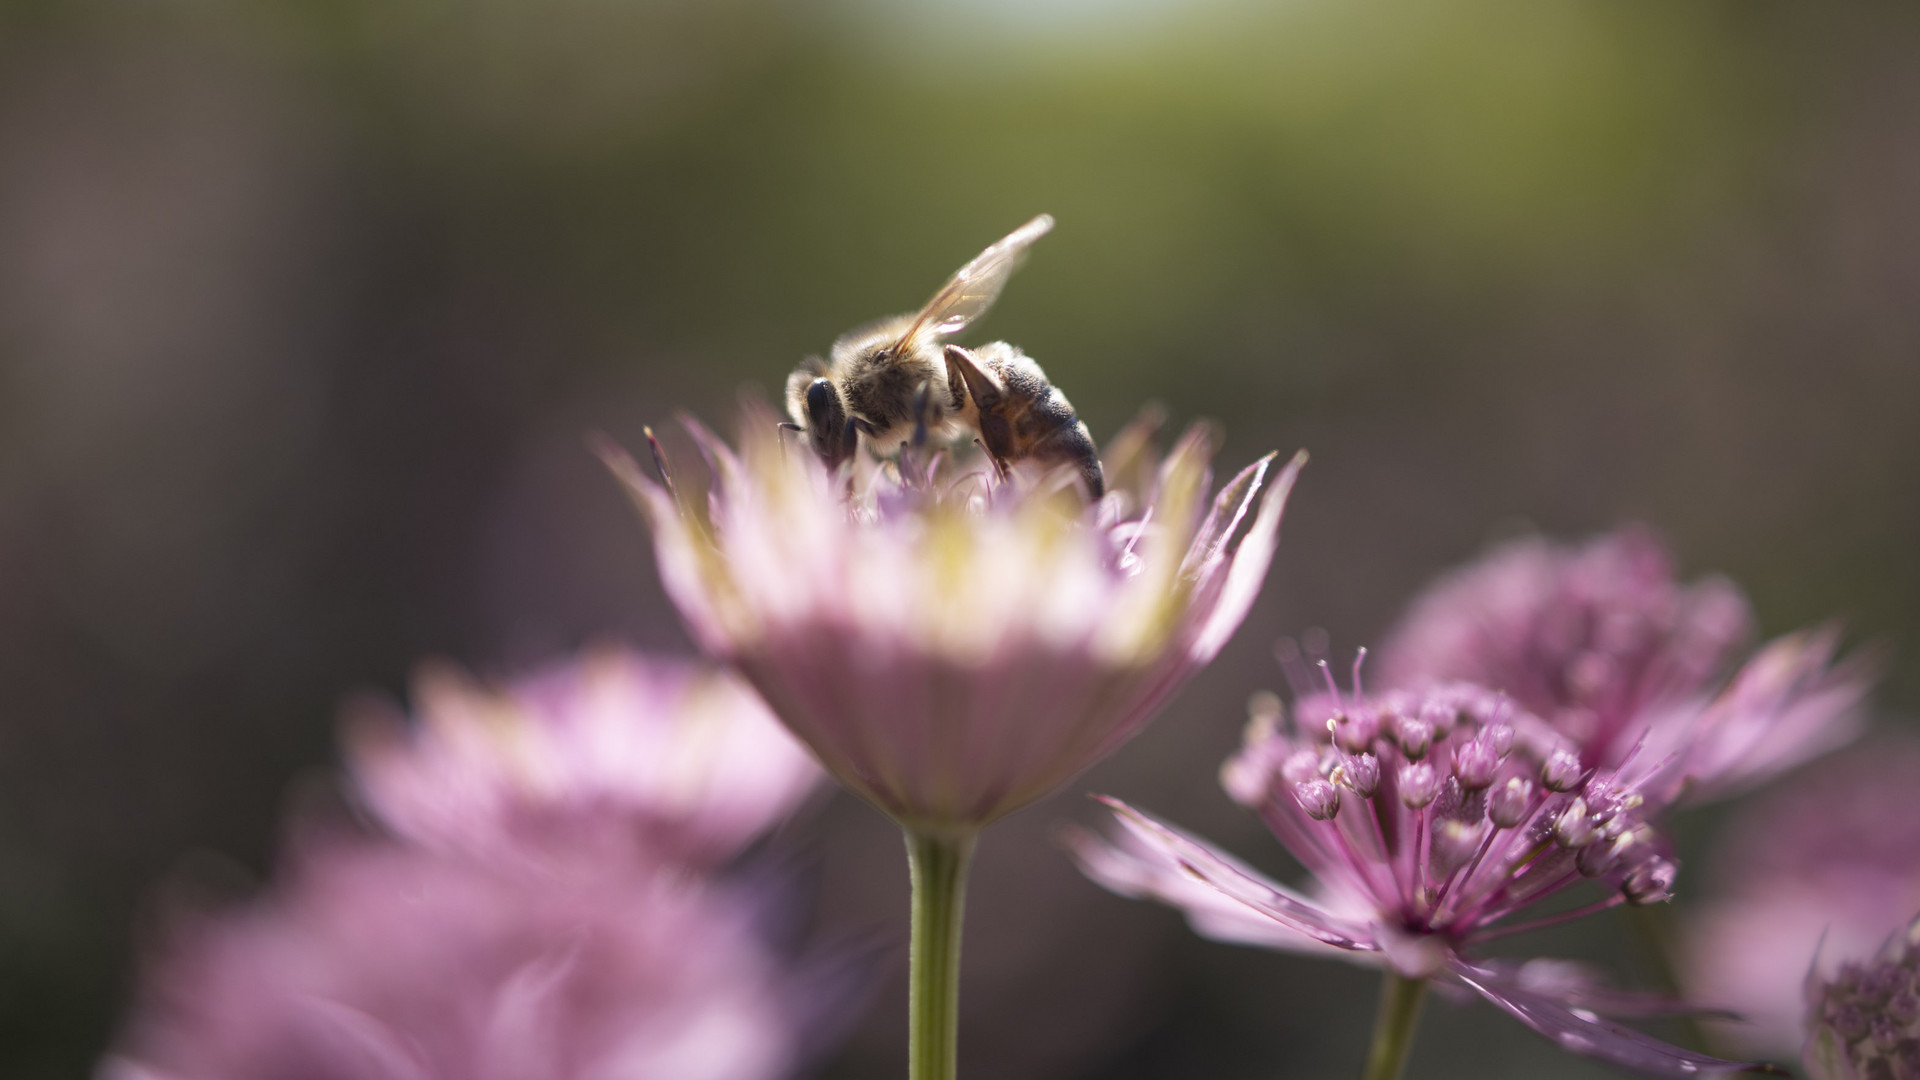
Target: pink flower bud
pixel 1418 784
pixel 1320 799
pixel 1562 771
pixel 1508 804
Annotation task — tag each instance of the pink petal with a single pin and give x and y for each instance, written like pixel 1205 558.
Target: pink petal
pixel 1242 884
pixel 1133 868
pixel 1247 571
pixel 1583 1031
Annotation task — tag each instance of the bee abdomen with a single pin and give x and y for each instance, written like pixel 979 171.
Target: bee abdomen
pixel 1032 420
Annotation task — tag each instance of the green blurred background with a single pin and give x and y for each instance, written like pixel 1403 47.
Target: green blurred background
pixel 306 307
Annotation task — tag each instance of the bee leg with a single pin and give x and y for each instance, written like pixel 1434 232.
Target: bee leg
pixel 999 467
pixel 922 409
pixel 988 399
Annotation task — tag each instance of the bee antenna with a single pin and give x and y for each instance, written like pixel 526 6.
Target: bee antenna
pixel 921 399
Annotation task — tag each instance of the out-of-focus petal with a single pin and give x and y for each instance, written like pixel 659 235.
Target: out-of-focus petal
pixel 1585 1032
pixel 1828 860
pixel 613 748
pixel 1604 643
pixel 369 960
pixel 1791 702
pixel 1582 986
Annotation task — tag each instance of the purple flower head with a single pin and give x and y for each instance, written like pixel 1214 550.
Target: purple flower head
pixel 1863 1021
pixel 1604 643
pixel 374 961
pixel 950 643
pixel 1828 862
pixel 614 749
pixel 1429 826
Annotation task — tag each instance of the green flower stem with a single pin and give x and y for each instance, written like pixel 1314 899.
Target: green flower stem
pixel 1653 927
pixel 939 863
pixel 1393 1027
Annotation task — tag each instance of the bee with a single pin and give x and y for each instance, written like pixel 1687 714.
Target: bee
pixel 895 381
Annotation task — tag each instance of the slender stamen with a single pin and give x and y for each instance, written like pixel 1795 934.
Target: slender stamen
pixel 1359 658
pixel 1126 553
pixel 1353 858
pixel 1515 898
pixel 1594 908
pixel 1332 687
pixel 1465 873
pixel 1422 855
pixel 1497 883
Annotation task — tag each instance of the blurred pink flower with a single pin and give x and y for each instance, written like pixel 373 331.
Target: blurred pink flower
pixel 1605 644
pixel 954 647
pixel 1863 1020
pixel 1432 822
pixel 1832 856
pixel 370 960
pixel 614 748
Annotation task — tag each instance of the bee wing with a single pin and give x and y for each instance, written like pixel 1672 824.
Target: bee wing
pixel 974 287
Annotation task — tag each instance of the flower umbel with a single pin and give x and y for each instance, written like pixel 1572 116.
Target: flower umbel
pixel 1604 643
pixel 539 905
pixel 1431 822
pixel 954 644
pixel 1863 1022
pixel 377 961
pixel 613 747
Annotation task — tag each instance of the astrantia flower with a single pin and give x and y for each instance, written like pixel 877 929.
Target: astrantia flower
pixel 1431 822
pixel 1863 1021
pixel 1610 649
pixel 376 961
pixel 1828 862
pixel 956 645
pixel 615 748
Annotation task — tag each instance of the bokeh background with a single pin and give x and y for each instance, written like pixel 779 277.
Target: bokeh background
pixel 306 308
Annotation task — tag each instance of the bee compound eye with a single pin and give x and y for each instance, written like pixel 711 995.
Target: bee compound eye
pixel 821 397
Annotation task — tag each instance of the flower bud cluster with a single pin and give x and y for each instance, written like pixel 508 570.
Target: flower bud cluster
pixel 1865 1021
pixel 1450 807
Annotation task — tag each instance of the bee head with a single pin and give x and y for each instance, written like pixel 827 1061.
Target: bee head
pixel 830 431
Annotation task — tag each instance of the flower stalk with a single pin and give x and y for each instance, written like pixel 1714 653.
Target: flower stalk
pixel 1400 998
pixel 939 862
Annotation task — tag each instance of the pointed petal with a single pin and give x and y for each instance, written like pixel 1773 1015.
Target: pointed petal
pixel 1242 884
pixel 1583 1031
pixel 1791 702
pixel 652 500
pixel 1583 986
pixel 1132 868
pixel 1229 509
pixel 1247 571
pixel 726 466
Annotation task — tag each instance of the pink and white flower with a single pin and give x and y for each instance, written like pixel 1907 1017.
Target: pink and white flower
pixel 371 960
pixel 952 644
pixel 615 749
pixel 1604 643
